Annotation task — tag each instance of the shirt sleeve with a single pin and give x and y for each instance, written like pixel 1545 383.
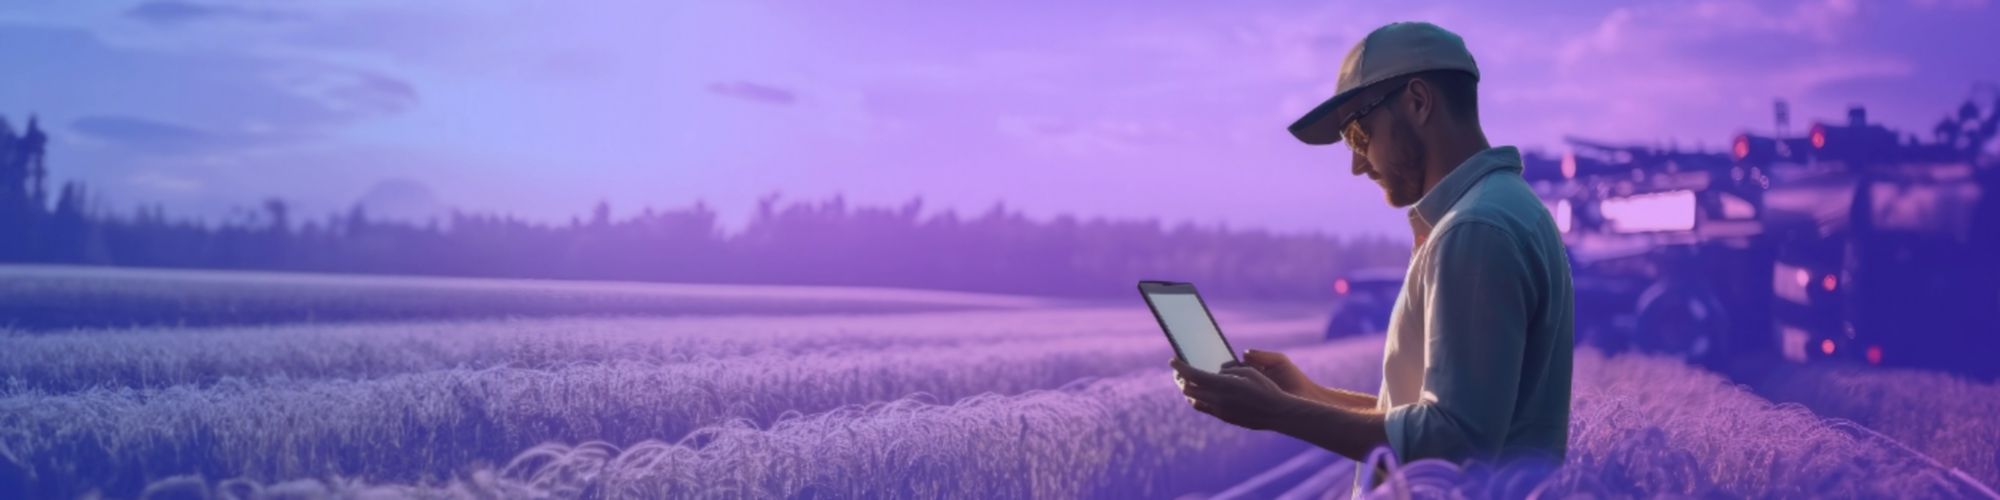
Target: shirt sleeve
pixel 1476 313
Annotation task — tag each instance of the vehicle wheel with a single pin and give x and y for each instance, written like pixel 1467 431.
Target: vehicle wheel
pixel 1684 323
pixel 1348 323
pixel 1339 325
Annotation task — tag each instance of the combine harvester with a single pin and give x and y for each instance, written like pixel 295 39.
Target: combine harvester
pixel 1849 244
pixel 1843 245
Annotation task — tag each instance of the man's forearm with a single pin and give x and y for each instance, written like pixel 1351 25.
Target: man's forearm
pixel 1343 398
pixel 1350 432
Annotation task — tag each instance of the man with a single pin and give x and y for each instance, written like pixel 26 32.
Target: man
pixel 1476 364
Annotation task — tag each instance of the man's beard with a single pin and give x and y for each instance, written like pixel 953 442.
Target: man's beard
pixel 1404 183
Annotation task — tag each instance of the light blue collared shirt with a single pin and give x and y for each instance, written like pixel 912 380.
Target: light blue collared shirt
pixel 1477 360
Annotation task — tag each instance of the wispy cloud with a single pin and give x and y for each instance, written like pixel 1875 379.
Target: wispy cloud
pixel 1091 136
pixel 349 91
pixel 175 12
pixel 754 92
pixel 148 134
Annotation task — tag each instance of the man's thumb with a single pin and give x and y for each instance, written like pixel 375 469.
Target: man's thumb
pixel 1257 357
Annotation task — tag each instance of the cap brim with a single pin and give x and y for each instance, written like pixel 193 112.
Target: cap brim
pixel 1318 127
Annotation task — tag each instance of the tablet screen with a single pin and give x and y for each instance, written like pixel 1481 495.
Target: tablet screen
pixel 1191 329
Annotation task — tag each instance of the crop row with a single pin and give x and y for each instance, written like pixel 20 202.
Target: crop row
pixel 424 425
pixel 165 357
pixel 1126 437
pixel 1950 418
pixel 1641 427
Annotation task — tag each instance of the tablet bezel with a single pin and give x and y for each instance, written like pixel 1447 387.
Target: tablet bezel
pixel 1148 287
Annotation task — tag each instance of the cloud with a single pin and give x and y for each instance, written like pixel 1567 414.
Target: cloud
pixel 174 12
pixel 1950 4
pixel 162 137
pixel 1660 29
pixel 213 103
pixel 1694 71
pixel 348 91
pixel 85 75
pixel 147 134
pixel 754 92
pixel 1085 95
pixel 1098 135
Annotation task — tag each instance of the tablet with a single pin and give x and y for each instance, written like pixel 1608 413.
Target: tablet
pixel 1188 325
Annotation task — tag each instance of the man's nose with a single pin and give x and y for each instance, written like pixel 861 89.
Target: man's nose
pixel 1361 165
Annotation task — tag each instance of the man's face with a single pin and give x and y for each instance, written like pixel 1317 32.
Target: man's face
pixel 1388 151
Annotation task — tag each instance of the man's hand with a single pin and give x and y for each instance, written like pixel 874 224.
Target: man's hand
pixel 1289 377
pixel 1279 368
pixel 1240 395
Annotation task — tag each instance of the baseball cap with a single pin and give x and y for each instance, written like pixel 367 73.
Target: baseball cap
pixel 1390 51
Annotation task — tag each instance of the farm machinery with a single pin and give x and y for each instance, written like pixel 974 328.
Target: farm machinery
pixel 1849 243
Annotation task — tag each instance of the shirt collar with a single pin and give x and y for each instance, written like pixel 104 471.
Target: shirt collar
pixel 1439 200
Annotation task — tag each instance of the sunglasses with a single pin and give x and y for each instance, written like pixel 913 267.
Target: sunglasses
pixel 1350 129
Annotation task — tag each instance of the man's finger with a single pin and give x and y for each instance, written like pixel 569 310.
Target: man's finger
pixel 1246 372
pixel 1254 376
pixel 1192 374
pixel 1184 382
pixel 1262 358
pixel 1206 408
pixel 1199 393
pixel 1190 390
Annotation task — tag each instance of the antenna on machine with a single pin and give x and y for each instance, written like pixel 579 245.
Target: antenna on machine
pixel 1781 112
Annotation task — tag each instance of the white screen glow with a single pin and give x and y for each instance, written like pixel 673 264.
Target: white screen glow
pixel 1193 330
pixel 1668 211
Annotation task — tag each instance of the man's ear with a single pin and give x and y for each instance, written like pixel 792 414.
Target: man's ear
pixel 1423 101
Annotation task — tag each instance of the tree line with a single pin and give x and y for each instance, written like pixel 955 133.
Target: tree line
pixel 822 242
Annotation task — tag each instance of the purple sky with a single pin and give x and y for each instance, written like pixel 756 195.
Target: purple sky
pixel 1173 110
